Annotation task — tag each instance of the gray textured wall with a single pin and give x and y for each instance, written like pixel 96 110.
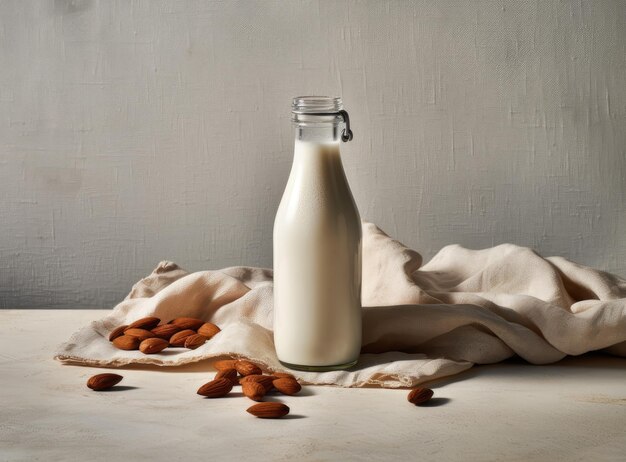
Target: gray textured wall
pixel 132 132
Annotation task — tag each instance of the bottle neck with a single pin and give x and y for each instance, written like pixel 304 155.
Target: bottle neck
pixel 320 133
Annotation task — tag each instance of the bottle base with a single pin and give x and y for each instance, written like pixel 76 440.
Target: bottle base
pixel 337 367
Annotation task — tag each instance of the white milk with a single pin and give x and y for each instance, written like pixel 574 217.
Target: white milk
pixel 317 263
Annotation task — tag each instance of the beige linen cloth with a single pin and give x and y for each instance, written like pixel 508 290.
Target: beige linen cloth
pixel 420 323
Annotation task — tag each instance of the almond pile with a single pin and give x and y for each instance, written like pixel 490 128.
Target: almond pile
pixel 254 384
pixel 149 336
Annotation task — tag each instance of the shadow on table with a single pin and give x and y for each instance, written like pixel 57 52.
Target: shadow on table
pixel 513 367
pixel 436 402
pixel 119 388
pixel 518 368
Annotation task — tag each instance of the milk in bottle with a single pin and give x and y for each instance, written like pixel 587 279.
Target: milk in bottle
pixel 317 247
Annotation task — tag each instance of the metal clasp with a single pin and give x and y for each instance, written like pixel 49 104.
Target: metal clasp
pixel 346 134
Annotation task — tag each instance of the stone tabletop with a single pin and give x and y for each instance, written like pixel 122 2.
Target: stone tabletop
pixel 573 410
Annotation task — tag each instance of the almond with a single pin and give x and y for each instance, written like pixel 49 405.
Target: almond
pixel 269 410
pixel 419 396
pixel 287 386
pixel 265 380
pixel 153 345
pixel 188 323
pixel 178 339
pixel 141 334
pixel 224 364
pixel 103 381
pixel 165 331
pixel 194 341
pixel 127 342
pixel 283 375
pixel 117 332
pixel 230 374
pixel 216 388
pixel 208 329
pixel 253 390
pixel 247 368
pixel 147 323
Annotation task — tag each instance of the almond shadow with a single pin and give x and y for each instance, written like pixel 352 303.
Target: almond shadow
pixel 120 388
pixel 435 402
pixel 229 395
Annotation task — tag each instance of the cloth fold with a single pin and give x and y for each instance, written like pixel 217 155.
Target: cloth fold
pixel 420 321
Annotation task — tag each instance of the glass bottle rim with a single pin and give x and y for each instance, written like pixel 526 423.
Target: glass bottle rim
pixel 316 104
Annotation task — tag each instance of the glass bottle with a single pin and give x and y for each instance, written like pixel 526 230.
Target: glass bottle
pixel 317 247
